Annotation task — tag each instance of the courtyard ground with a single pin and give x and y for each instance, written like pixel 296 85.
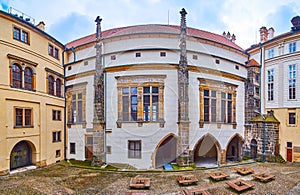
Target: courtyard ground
pixel 65 179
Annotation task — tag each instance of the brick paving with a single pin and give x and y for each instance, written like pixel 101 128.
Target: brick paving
pixel 63 179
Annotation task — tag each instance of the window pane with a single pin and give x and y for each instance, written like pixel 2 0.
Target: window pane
pixel 213 93
pixel 28 78
pixel 206 92
pixel 292 118
pixel 133 90
pixel 19 117
pixel 213 110
pixel 27 117
pixel 51 85
pixel 125 90
pixel 146 90
pixel 17 77
pixel 154 89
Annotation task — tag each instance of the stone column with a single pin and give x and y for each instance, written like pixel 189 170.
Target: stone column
pixel 183 92
pixel 99 112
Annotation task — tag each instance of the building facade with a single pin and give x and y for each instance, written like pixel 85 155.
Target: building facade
pixel 167 91
pixel 31 94
pixel 279 57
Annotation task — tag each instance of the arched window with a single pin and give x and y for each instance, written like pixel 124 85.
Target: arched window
pixel 28 78
pixel 58 87
pixel 16 76
pixel 51 85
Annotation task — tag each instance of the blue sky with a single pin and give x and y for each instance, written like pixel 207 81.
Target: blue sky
pixel 70 20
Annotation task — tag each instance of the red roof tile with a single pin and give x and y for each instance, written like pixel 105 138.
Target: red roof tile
pixel 253 62
pixel 155 28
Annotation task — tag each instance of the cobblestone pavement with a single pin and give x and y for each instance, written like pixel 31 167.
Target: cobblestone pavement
pixel 63 179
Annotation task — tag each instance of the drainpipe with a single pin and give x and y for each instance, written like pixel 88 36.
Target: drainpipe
pixel 65 106
pixel 74 54
pixel 260 80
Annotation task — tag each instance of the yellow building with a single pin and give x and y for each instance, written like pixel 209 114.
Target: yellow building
pixel 31 94
pixel 280 60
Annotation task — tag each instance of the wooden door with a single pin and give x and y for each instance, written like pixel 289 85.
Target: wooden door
pixel 289 155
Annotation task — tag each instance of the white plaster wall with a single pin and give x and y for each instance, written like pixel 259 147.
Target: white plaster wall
pixel 76 135
pixel 223 134
pixel 82 54
pixel 150 133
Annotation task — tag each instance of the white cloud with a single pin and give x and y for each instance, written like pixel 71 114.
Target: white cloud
pixel 243 18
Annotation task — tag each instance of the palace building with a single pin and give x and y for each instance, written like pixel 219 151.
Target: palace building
pixel 280 67
pixel 31 94
pixel 146 94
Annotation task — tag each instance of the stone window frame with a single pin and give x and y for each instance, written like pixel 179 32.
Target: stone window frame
pixel 56 136
pixel 22 36
pixel 136 151
pixel 140 81
pixel 79 88
pixel 270 84
pixel 292 82
pixel 88 145
pixel 288 120
pixel 56 77
pixel 23 64
pixel 219 87
pixel 24 118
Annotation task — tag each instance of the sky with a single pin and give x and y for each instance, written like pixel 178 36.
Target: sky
pixel 67 20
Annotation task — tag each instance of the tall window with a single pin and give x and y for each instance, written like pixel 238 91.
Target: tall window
pixel 56 136
pixel 270 53
pixel 271 85
pixel 226 107
pixel 23 117
pixel 58 87
pixel 51 85
pixel 217 102
pixel 21 35
pixel 150 103
pixel 72 148
pixel 53 51
pixel 292 118
pixel 140 99
pixel 77 108
pixel 16 76
pixel 292 47
pixel 292 82
pixel 134 149
pixel 210 106
pixel 130 103
pixel 28 78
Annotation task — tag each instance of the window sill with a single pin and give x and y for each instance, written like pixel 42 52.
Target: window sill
pixel 23 127
pixel 69 124
pixel 219 124
pixel 140 123
pixel 56 141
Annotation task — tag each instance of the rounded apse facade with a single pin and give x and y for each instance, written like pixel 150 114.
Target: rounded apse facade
pixel 142 89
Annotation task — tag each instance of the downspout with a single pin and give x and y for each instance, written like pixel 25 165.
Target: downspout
pixel 105 106
pixel 65 106
pixel 260 80
pixel 74 54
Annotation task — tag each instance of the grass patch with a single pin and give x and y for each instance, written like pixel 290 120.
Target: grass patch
pixel 184 168
pixel 87 164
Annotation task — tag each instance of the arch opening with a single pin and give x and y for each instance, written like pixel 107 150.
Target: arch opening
pixel 22 155
pixel 206 151
pixel 166 151
pixel 234 149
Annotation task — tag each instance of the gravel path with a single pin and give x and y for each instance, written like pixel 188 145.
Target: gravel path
pixel 63 179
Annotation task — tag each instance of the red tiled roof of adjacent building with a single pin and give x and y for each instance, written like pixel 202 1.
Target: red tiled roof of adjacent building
pixel 155 28
pixel 253 62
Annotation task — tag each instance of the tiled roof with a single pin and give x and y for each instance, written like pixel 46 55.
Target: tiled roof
pixel 155 28
pixel 253 62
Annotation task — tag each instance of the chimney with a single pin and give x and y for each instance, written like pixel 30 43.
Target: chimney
pixel 228 35
pixel 233 38
pixel 271 33
pixel 224 34
pixel 263 34
pixel 41 26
